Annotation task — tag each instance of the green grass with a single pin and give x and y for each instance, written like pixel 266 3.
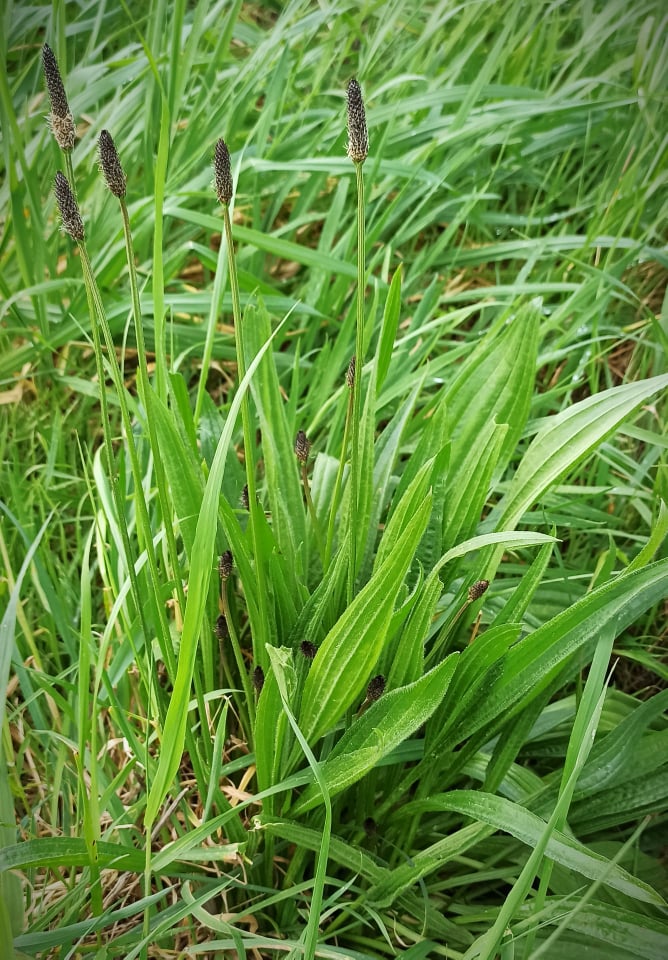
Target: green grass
pixel 504 278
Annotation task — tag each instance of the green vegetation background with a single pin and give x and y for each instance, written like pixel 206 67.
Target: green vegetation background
pixel 506 796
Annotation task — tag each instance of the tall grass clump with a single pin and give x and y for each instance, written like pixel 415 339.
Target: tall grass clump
pixel 333 491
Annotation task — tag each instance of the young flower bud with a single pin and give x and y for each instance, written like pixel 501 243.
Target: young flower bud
pixel 222 172
pixel 308 649
pixel 61 120
pixel 477 589
pixel 376 688
pixel 302 447
pixel 68 207
pixel 358 138
pixel 110 165
pixel 258 679
pixel 350 372
pixel 225 563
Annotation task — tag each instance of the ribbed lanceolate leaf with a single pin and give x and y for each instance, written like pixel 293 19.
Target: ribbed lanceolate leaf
pixel 407 664
pixel 518 603
pixel 568 438
pixel 271 721
pixel 282 476
pixel 528 828
pixel 388 722
pixel 352 647
pixel 173 735
pixel 405 510
pixel 532 662
pixel 484 654
pixel 469 482
pixel 389 328
pixel 495 383
pixel 386 452
pixel 621 933
pixel 185 480
pixel 614 758
pixel 491 813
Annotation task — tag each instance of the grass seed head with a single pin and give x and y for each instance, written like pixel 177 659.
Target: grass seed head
pixel 110 165
pixel 61 120
pixel 245 503
pixel 376 688
pixel 222 172
pixel 358 138
pixel 68 207
pixel 222 630
pixel 302 447
pixel 477 589
pixel 258 679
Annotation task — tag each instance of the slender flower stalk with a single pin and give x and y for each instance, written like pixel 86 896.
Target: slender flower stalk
pixel 358 149
pixel 231 637
pixel 336 495
pixel 302 450
pixel 72 224
pixel 116 180
pixel 224 191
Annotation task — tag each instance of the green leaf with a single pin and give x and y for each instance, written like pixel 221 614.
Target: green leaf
pixel 173 735
pixel 387 723
pixel 636 933
pixel 183 475
pixel 528 828
pixel 69 852
pixel 283 485
pixel 611 761
pixel 469 483
pixel 518 603
pixel 495 384
pixel 403 513
pixel 389 329
pixel 271 724
pixel 352 647
pixel 408 660
pixel 386 453
pixel 566 439
pixel 507 539
pixel 531 663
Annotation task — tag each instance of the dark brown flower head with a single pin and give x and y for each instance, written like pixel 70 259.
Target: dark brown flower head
pixel 477 589
pixel 245 503
pixel 222 172
pixel 225 563
pixel 302 447
pixel 222 630
pixel 376 688
pixel 258 678
pixel 358 138
pixel 61 120
pixel 350 372
pixel 68 207
pixel 110 165
pixel 308 649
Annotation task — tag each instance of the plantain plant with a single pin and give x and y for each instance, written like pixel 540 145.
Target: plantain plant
pixel 329 689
